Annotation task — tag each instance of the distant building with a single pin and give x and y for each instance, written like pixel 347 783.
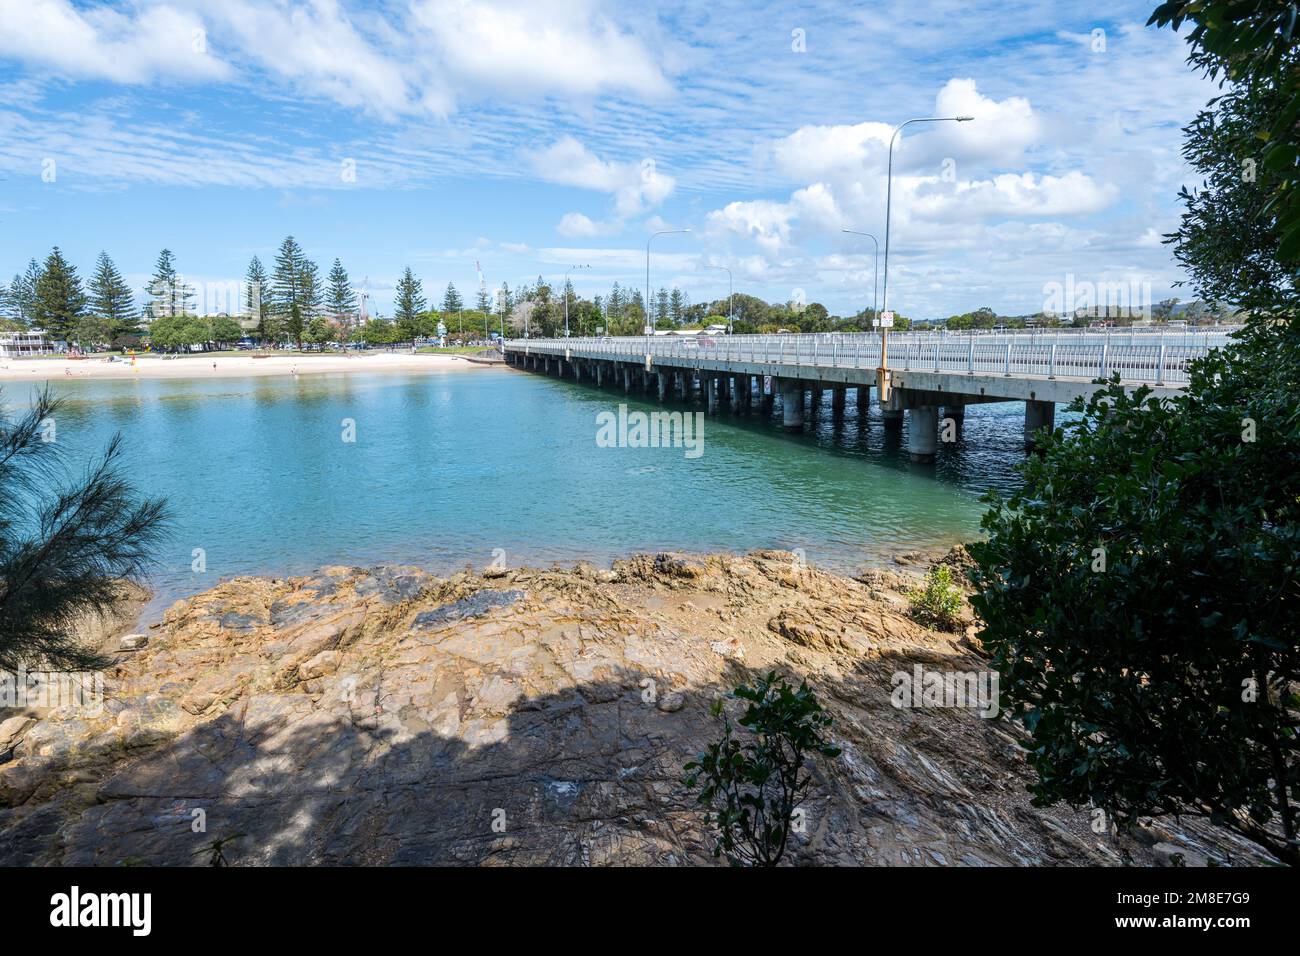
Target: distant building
pixel 27 342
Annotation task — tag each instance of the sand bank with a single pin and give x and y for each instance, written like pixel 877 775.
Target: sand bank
pixel 226 366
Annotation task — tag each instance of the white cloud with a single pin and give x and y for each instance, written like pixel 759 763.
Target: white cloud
pixel 522 48
pixel 320 51
pixel 574 225
pixel 103 43
pixel 421 57
pixel 999 133
pixel 814 152
pixel 634 186
pixel 1009 194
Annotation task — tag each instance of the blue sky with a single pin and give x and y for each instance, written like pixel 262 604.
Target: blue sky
pixel 533 136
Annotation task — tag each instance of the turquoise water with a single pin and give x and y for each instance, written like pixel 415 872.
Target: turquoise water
pixel 447 467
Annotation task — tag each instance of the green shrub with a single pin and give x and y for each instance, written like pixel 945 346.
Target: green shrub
pixel 938 603
pixel 753 789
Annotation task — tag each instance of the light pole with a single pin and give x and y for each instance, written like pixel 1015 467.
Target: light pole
pixel 730 298
pixel 881 373
pixel 648 324
pixel 566 296
pixel 889 182
pixel 875 272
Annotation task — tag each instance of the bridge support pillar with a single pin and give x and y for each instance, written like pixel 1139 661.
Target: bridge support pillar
pixel 950 425
pixel 815 402
pixel 922 432
pixel 627 379
pixel 682 380
pixel 893 418
pixel 661 380
pixel 1038 415
pixel 709 383
pixel 739 392
pixel 792 403
pixel 837 400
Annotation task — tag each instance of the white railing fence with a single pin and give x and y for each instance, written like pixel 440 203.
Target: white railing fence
pixel 1159 358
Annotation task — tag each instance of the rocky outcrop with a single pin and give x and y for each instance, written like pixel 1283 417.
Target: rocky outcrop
pixel 386 716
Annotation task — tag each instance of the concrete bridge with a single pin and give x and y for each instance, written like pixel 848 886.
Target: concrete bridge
pixel 928 371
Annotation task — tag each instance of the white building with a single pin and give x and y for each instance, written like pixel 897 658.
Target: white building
pixel 27 342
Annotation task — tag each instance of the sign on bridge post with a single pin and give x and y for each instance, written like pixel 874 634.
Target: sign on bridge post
pixel 884 323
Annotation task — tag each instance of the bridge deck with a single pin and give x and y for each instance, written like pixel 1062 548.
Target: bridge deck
pixel 1052 367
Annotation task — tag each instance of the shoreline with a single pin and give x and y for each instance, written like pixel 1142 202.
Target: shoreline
pixel 198 366
pixel 507 686
pixel 912 560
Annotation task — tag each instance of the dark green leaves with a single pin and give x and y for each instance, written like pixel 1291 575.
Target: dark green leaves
pixel 753 789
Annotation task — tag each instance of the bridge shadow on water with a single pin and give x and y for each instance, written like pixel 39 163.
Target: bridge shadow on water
pixel 986 453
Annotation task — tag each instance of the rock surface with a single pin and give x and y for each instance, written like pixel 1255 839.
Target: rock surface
pixel 386 716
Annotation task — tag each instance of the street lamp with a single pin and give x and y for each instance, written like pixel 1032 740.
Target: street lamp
pixel 875 272
pixel 889 182
pixel 881 373
pixel 730 295
pixel 566 296
pixel 648 324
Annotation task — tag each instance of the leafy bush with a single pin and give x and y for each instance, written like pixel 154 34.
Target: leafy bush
pixel 938 603
pixel 1139 593
pixel 754 788
pixel 1140 601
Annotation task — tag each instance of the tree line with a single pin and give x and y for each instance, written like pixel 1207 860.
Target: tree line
pixel 295 302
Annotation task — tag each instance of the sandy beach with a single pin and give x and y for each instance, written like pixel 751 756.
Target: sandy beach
pixel 227 366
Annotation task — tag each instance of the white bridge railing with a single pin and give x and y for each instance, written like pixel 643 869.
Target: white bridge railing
pixel 1143 357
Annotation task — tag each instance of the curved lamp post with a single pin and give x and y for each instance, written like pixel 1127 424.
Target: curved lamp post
pixel 882 373
pixel 889 181
pixel 730 297
pixel 875 271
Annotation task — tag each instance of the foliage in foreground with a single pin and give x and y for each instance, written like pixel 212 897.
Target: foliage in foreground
pixel 65 545
pixel 938 602
pixel 754 788
pixel 1141 599
pixel 1141 593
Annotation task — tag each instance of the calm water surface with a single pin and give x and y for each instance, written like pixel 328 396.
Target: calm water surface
pixel 448 466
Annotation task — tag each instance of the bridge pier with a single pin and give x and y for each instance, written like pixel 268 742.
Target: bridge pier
pixel 661 379
pixel 922 432
pixel 837 400
pixel 739 393
pixel 815 402
pixel 1038 415
pixel 950 426
pixel 709 382
pixel 864 400
pixel 893 418
pixel 792 403
pixel 627 380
